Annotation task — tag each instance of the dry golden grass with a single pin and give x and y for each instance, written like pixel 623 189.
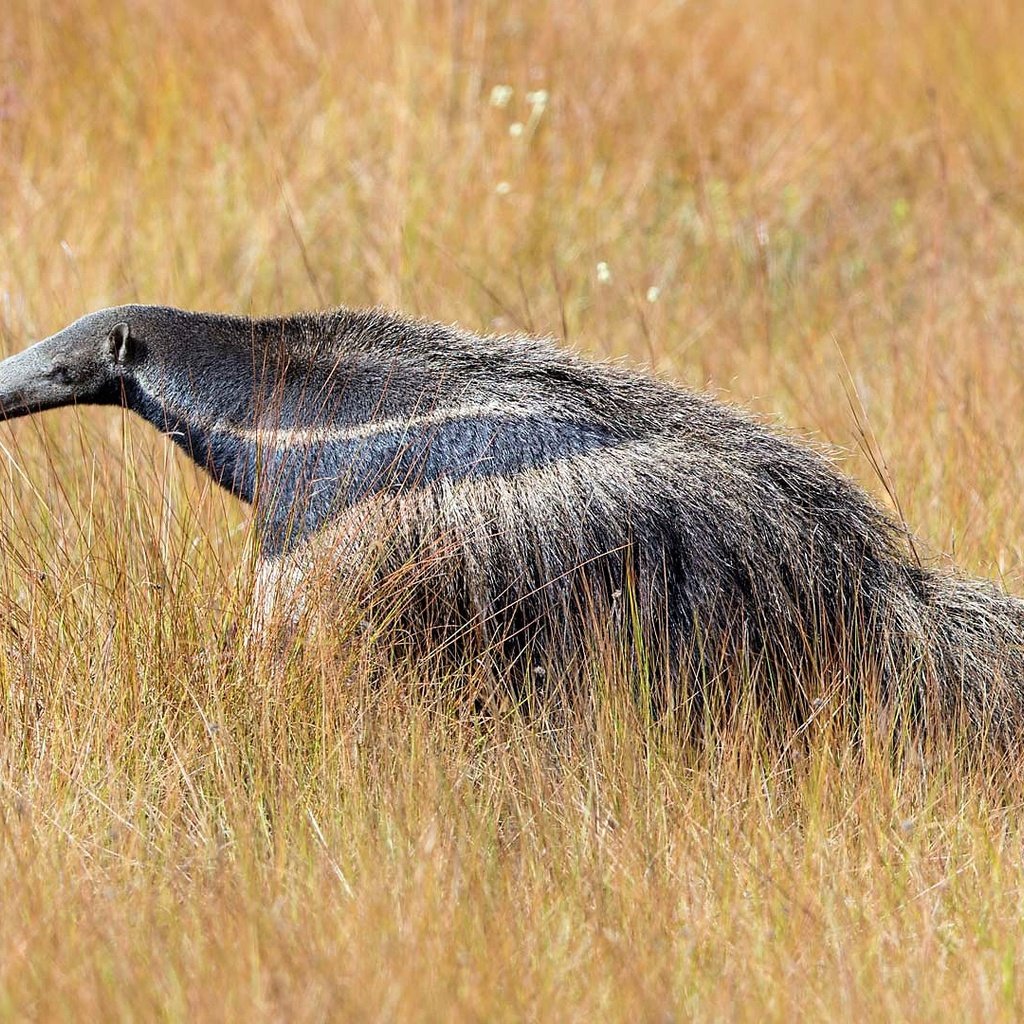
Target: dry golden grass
pixel 812 206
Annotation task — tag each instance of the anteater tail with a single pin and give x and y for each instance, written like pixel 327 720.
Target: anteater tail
pixel 976 650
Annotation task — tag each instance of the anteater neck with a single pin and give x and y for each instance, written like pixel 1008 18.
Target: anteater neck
pixel 225 453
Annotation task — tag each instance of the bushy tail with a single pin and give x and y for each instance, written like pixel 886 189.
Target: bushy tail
pixel 976 640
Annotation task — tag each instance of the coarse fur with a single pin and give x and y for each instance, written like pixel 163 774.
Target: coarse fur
pixel 501 498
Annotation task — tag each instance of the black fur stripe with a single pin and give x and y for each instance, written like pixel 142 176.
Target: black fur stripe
pixel 308 483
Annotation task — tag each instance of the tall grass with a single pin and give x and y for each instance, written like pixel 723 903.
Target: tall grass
pixel 812 207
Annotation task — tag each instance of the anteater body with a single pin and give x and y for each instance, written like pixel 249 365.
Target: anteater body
pixel 501 498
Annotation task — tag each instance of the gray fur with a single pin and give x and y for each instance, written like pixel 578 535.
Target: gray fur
pixel 530 502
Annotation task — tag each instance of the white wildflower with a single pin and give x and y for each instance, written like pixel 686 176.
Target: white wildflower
pixel 503 188
pixel 516 129
pixel 501 95
pixel 537 99
pixel 653 293
pixel 604 273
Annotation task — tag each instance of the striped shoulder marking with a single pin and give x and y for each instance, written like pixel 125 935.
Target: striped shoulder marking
pixel 282 436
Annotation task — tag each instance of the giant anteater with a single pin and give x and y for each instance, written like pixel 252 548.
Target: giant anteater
pixel 523 505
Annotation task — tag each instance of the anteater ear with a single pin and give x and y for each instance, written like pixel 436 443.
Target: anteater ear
pixel 120 343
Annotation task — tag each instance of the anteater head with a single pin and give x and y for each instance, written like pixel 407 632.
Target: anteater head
pixel 119 356
pixel 82 364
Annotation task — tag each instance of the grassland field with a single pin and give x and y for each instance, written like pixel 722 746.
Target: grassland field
pixel 813 208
